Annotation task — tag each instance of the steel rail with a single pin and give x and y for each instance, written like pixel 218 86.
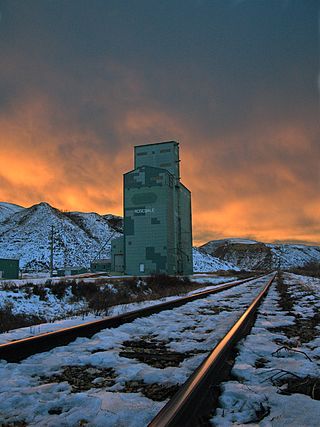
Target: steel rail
pixel 192 404
pixel 15 351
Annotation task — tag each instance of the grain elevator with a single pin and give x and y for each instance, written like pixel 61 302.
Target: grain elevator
pixel 157 215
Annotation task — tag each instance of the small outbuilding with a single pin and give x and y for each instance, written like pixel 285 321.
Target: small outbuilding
pixel 9 268
pixel 98 265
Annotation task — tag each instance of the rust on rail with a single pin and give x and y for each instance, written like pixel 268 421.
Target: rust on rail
pixel 193 401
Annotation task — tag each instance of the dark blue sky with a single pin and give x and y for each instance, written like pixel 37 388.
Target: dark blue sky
pixel 235 82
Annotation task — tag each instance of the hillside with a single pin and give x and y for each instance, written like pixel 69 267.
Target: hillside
pixel 8 209
pixel 203 262
pixel 78 237
pixel 252 255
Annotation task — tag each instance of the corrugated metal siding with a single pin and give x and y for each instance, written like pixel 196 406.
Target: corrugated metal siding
pixel 157 213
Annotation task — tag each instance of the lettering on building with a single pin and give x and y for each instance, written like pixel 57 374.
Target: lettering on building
pixel 147 210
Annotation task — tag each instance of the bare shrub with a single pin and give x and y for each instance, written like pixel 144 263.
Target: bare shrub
pixel 9 286
pixel 9 320
pixel 162 280
pixel 59 289
pixel 28 291
pixel 163 285
pixel 156 286
pixel 84 290
pixel 39 290
pixel 131 283
pixel 100 302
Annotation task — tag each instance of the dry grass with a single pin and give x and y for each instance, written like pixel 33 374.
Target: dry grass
pixel 101 297
pixel 311 269
pixel 309 386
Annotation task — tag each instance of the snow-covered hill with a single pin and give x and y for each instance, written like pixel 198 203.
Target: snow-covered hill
pixel 288 256
pixel 203 262
pixel 78 237
pixel 217 243
pixel 8 209
pixel 25 233
pixel 252 255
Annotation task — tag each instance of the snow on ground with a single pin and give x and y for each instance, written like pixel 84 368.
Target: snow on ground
pixel 191 331
pixel 50 308
pixel 55 306
pixel 45 280
pixel 268 358
pixel 306 282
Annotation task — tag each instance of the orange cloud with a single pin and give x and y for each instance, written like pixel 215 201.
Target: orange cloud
pixel 265 188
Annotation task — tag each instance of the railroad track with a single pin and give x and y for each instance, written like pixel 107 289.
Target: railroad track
pixel 15 351
pixel 193 402
pixel 121 376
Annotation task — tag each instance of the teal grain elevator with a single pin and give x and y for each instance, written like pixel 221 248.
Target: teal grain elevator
pixel 157 215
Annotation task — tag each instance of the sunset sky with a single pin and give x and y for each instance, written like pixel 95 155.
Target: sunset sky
pixel 235 82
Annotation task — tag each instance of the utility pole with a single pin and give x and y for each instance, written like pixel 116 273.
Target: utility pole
pixel 51 252
pixel 280 256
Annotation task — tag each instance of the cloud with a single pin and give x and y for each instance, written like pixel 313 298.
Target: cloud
pixel 238 94
pixel 258 190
